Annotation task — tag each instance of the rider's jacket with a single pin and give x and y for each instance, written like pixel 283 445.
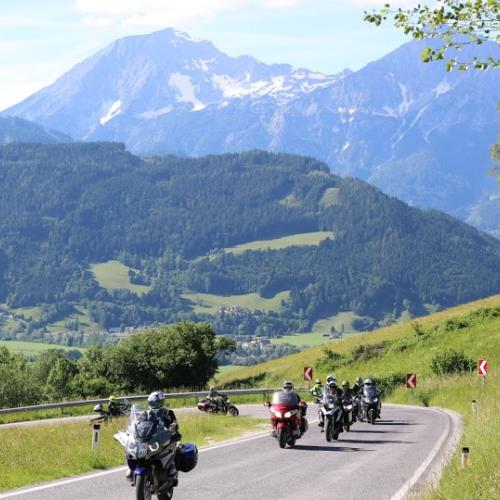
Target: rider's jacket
pixel 328 392
pixel 317 391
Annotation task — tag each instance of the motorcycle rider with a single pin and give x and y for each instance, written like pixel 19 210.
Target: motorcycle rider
pixel 348 394
pixel 369 383
pixel 357 388
pixel 331 388
pixel 317 390
pixel 157 409
pixel 288 387
pixel 115 407
pixel 217 398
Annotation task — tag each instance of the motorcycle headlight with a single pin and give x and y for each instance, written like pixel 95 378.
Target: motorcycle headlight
pixel 330 405
pixel 289 414
pixel 277 413
pixel 375 400
pixel 348 407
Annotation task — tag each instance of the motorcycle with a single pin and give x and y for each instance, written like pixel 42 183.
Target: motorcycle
pixel 370 404
pixel 287 418
pixel 212 406
pixel 332 412
pixel 120 409
pixel 154 456
pixel 348 413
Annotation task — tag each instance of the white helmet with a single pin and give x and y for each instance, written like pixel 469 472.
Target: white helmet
pixel 330 378
pixel 287 385
pixel 368 381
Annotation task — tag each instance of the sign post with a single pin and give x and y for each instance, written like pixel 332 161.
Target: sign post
pixel 96 430
pixel 308 375
pixel 411 380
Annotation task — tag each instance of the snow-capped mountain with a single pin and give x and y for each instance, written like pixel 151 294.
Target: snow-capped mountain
pixel 410 128
pixel 143 78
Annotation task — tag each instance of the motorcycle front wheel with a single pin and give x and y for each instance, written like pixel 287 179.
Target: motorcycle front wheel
pixel 371 416
pixel 282 438
pixel 166 495
pixel 233 411
pixel 143 490
pixel 328 429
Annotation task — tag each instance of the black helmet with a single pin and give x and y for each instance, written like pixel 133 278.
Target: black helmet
pixel 156 400
pixel 287 385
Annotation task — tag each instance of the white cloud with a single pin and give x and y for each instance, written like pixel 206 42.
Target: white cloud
pixel 166 12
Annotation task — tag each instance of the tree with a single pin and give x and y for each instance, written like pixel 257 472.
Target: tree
pixel 181 355
pixel 456 24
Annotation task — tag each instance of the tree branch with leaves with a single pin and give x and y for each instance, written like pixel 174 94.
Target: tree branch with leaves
pixel 456 24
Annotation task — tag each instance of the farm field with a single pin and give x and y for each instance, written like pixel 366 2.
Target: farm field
pixel 113 275
pixel 210 304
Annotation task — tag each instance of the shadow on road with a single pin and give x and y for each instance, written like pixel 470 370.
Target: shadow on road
pixel 377 441
pixel 394 422
pixel 333 447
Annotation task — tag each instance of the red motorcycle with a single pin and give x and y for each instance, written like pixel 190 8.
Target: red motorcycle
pixel 287 417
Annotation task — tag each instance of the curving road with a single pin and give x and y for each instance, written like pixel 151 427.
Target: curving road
pixel 371 462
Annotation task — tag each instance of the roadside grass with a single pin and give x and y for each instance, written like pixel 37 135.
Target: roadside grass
pixel 301 239
pixel 33 348
pixel 35 454
pixel 210 304
pixel 481 479
pixel 113 275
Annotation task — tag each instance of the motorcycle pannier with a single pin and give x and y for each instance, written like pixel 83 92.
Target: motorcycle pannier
pixel 186 457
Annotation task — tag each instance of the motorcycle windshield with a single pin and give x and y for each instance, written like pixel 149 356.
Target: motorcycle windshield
pixel 146 426
pixel 369 392
pixel 285 398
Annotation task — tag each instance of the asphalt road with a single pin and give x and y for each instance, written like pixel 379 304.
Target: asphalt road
pixel 370 462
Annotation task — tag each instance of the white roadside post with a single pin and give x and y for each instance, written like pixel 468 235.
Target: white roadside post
pixel 474 406
pixel 465 457
pixel 96 430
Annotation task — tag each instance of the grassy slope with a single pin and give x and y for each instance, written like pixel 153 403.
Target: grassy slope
pixel 32 348
pixel 21 466
pixel 481 432
pixel 208 303
pixel 113 275
pixel 301 239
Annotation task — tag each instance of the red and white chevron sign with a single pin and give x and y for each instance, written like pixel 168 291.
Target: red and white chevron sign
pixel 411 380
pixel 482 367
pixel 308 373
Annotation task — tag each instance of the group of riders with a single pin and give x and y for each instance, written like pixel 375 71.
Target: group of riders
pixel 320 392
pixel 354 395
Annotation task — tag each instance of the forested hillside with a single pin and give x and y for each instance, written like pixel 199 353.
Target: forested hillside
pixel 171 223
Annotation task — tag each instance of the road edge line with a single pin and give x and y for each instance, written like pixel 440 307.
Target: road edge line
pixel 430 470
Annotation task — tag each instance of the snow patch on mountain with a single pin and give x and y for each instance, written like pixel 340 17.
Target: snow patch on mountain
pixel 186 90
pixel 113 111
pixel 442 87
pixel 154 113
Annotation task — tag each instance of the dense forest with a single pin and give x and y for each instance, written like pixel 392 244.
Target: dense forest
pixel 64 207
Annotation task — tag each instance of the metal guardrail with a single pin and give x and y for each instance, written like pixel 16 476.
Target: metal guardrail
pixel 175 395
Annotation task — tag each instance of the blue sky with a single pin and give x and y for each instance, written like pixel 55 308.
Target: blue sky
pixel 40 40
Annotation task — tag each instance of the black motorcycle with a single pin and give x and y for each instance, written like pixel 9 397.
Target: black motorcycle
pixel 370 404
pixel 115 409
pixel 154 455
